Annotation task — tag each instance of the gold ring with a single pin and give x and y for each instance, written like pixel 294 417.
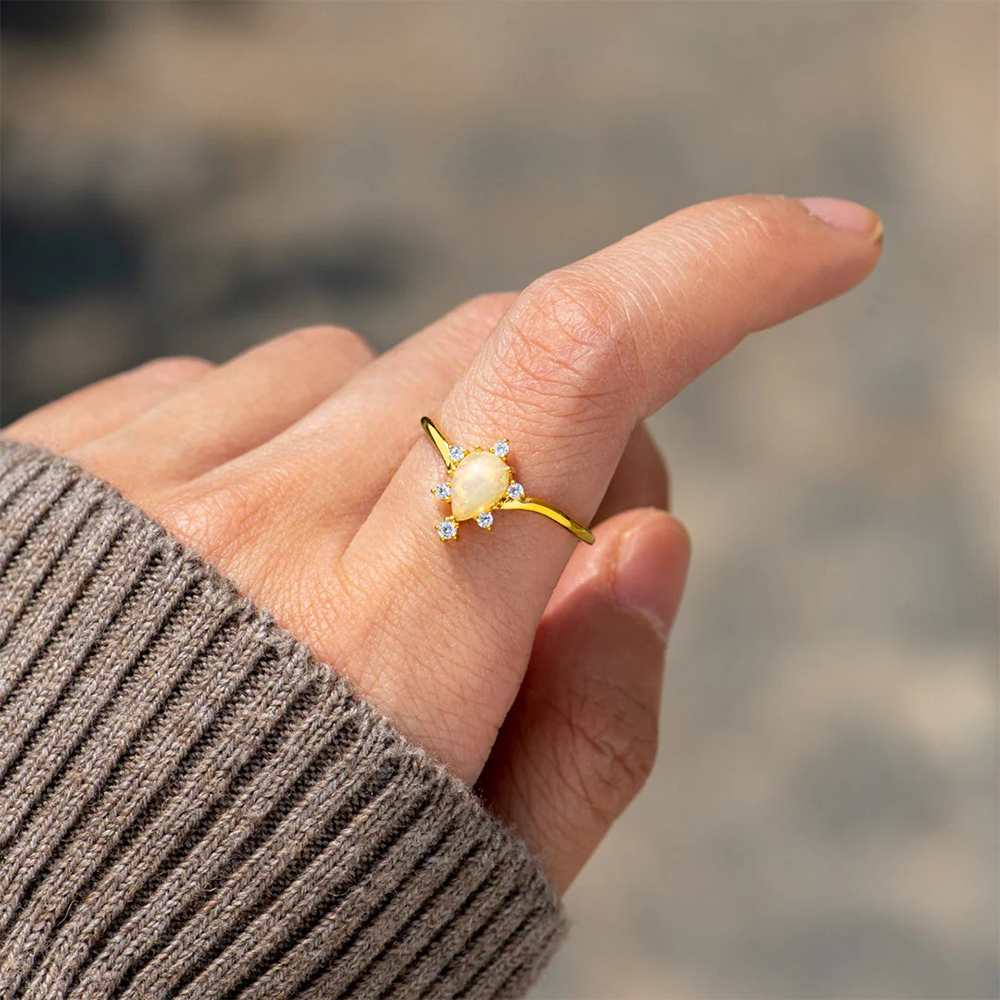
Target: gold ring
pixel 481 482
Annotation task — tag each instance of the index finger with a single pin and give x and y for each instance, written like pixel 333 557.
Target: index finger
pixel 583 354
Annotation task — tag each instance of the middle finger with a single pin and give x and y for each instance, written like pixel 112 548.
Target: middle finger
pixel 326 470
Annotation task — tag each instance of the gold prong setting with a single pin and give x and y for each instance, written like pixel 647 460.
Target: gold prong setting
pixel 507 489
pixel 448 529
pixel 480 481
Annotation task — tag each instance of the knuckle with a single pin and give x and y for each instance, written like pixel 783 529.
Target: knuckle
pixel 473 319
pixel 319 338
pixel 486 308
pixel 218 519
pixel 570 340
pixel 204 521
pixel 175 369
pixel 611 750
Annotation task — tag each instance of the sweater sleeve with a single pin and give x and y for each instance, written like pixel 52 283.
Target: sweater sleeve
pixel 192 807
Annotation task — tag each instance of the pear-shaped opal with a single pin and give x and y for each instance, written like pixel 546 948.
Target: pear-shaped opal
pixel 479 481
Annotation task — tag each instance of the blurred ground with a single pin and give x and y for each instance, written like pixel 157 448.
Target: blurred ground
pixel 184 177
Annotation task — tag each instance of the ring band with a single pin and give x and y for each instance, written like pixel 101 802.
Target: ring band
pixel 481 482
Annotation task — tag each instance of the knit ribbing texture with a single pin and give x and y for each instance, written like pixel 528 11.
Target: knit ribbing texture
pixel 192 807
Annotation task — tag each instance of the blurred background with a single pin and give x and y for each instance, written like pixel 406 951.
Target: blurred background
pixel 193 177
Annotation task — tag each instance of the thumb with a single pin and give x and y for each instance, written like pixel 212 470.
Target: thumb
pixel 581 737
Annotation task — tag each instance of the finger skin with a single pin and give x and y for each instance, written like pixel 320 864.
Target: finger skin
pixel 582 356
pixel 366 427
pixel 105 406
pixel 325 472
pixel 641 478
pixel 581 737
pixel 233 409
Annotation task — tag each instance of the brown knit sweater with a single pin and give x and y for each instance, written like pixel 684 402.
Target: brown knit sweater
pixel 191 806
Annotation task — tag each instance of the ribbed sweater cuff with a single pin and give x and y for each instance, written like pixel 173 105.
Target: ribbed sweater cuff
pixel 191 806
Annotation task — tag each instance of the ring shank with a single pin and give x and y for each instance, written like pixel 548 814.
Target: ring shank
pixel 438 440
pixel 553 514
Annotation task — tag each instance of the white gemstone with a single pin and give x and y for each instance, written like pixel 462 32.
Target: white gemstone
pixel 447 530
pixel 442 491
pixel 478 483
pixel 515 491
pixel 456 453
pixel 485 519
pixel 500 449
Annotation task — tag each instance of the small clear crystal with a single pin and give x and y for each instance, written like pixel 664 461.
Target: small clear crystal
pixel 515 491
pixel 500 449
pixel 456 453
pixel 484 520
pixel 442 491
pixel 447 530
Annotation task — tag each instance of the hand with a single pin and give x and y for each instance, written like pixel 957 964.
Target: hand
pixel 527 663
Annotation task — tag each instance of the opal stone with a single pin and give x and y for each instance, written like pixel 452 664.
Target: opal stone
pixel 478 483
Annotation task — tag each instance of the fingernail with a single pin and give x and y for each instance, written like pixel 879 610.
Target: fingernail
pixel 650 569
pixel 846 215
